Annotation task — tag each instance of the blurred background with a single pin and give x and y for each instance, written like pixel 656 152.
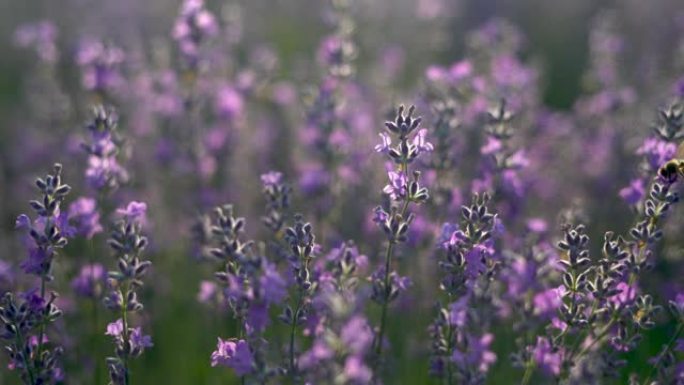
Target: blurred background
pixel 255 84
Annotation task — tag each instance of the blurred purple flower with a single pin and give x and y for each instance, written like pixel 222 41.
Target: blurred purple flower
pixel 134 211
pixel 546 357
pixel 633 193
pixel 39 36
pixel 115 329
pixel 235 354
pixel 90 281
pixel 83 212
pixel 139 341
pixel 396 189
pixel 478 355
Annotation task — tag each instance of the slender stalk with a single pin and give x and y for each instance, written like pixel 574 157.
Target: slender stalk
pixel 669 345
pixel 293 329
pixel 450 374
pixel 20 343
pixel 126 344
pixel 41 334
pixel 529 371
pixel 95 346
pixel 388 264
pixel 383 316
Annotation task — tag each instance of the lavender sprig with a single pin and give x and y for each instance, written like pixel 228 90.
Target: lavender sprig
pixel 402 191
pixel 104 172
pixel 301 240
pixel 48 233
pixel 128 243
pixel 252 285
pixel 460 342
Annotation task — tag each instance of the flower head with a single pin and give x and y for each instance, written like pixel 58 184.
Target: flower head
pixel 234 354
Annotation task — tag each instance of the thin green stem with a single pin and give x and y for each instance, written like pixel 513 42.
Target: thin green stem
pixel 27 365
pixel 529 371
pixel 124 318
pixel 41 334
pixel 450 374
pixel 293 329
pixel 385 302
pixel 668 347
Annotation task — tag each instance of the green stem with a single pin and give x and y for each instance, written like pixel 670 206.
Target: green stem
pixel 669 345
pixel 124 318
pixel 385 302
pixel 20 344
pixel 388 291
pixel 41 334
pixel 450 374
pixel 529 370
pixel 293 329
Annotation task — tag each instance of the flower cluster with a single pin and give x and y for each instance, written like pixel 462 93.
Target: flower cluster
pixel 487 241
pixel 104 172
pixel 251 285
pixel 194 25
pixel 100 65
pixel 460 347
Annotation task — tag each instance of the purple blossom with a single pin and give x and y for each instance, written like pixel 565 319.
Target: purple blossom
pixel 234 354
pixel 139 342
pixel 229 103
pixel 100 65
pixel 90 281
pixel 208 291
pixel 386 143
pixel 356 335
pixel 633 193
pixel 257 317
pixel 194 25
pixel 273 286
pixel 547 358
pixel 272 178
pixel 83 212
pixel 421 142
pixel 39 36
pixel 547 303
pixel 626 295
pixel 458 312
pixel 134 211
pixel 478 354
pixel 396 189
pixel 115 329
pixel 657 152
pixel 356 371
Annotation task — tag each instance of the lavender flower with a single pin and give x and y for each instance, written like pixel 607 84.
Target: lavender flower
pixel 104 173
pixel 25 323
pixel 100 66
pixel 194 25
pixel 90 281
pixel 402 191
pixel 459 345
pixel 41 37
pixel 128 243
pixel 234 354
pixel 83 212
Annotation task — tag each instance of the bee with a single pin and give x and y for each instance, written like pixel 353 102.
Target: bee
pixel 674 167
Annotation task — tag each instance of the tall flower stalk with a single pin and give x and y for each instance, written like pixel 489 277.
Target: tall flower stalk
pixel 25 322
pixel 128 243
pixel 402 192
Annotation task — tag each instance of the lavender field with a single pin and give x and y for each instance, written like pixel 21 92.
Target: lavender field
pixel 343 192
